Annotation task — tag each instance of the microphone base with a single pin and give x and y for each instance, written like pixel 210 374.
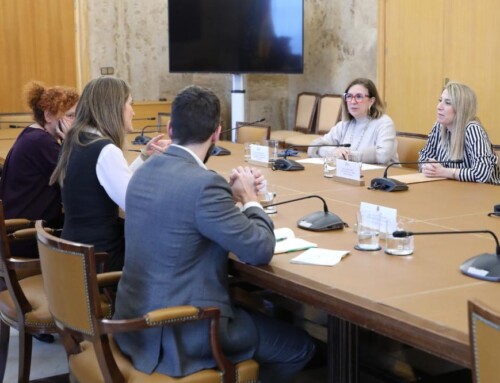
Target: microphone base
pixel 484 266
pixel 321 221
pixel 287 165
pixel 141 140
pixel 220 151
pixel 388 185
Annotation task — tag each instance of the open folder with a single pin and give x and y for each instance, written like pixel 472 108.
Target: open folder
pixel 286 241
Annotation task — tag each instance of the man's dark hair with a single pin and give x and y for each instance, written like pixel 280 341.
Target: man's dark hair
pixel 195 115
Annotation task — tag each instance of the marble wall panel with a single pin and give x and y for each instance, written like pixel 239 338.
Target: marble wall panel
pixel 132 36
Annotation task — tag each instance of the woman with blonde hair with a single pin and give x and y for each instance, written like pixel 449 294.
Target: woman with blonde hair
pixel 365 126
pixel 459 135
pixel 93 172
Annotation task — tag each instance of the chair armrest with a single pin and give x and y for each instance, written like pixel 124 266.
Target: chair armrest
pixel 158 318
pixel 23 263
pixel 17 224
pixel 109 279
pixel 175 316
pixel 21 234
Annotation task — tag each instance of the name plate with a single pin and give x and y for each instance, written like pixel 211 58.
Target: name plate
pixel 349 170
pixel 259 153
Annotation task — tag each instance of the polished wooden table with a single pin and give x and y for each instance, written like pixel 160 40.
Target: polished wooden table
pixel 420 300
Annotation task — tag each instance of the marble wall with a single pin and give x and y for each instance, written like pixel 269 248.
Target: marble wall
pixel 132 36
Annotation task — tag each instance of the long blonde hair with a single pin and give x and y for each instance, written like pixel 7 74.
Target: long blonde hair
pixel 464 103
pixel 100 107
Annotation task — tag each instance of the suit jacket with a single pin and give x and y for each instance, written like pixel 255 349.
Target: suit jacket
pixel 181 224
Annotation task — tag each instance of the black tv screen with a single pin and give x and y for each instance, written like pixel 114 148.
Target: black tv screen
pixel 236 36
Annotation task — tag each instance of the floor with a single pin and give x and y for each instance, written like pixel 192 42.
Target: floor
pixel 47 359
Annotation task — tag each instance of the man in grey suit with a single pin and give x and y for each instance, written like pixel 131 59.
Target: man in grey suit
pixel 182 221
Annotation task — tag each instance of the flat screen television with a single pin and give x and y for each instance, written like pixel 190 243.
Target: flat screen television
pixel 236 36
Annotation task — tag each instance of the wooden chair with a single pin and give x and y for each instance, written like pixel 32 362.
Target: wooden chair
pixel 71 284
pixel 23 305
pixel 329 113
pixel 484 331
pixel 257 132
pixel 409 145
pixel 305 113
pixel 163 119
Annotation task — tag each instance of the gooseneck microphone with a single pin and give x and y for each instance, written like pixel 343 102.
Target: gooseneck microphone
pixel 15 124
pixel 317 221
pixel 391 184
pixel 484 266
pixel 142 139
pixel 219 150
pixel 144 119
pixel 287 164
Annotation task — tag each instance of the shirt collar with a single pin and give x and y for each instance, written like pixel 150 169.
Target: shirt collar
pixel 197 159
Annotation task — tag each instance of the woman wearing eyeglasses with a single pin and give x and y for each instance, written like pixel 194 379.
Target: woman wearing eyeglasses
pixel 369 131
pixel 458 135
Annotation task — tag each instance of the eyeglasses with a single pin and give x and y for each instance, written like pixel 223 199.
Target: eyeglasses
pixel 359 97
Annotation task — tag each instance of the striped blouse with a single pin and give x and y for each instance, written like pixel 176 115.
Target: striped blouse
pixel 480 163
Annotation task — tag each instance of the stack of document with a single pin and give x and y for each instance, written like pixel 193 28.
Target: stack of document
pixel 286 242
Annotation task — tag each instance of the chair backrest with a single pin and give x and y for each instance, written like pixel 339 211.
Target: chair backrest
pixel 256 132
pixel 484 330
pixel 305 111
pixel 7 268
pixel 409 144
pixel 329 112
pixel 163 119
pixel 70 281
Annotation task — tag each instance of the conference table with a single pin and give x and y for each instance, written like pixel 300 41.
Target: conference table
pixel 420 300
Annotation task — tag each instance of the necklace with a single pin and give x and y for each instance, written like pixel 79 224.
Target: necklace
pixel 353 128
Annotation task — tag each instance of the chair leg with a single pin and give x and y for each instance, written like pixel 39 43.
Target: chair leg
pixel 4 347
pixel 25 346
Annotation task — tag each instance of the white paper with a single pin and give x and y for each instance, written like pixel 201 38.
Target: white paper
pixel 283 233
pixel 320 257
pixel 314 161
pixel 348 169
pixel 371 167
pixel 292 244
pixel 320 161
pixel 259 153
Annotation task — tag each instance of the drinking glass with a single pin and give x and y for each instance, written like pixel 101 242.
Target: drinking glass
pixel 273 149
pixel 368 230
pixel 403 245
pixel 329 167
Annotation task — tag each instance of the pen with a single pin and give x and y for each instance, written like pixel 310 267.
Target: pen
pixel 134 150
pixel 299 249
pixel 280 239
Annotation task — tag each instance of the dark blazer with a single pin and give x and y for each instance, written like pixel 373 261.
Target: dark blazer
pixel 181 224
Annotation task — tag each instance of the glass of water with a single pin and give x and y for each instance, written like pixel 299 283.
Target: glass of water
pixel 400 245
pixel 368 230
pixel 329 167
